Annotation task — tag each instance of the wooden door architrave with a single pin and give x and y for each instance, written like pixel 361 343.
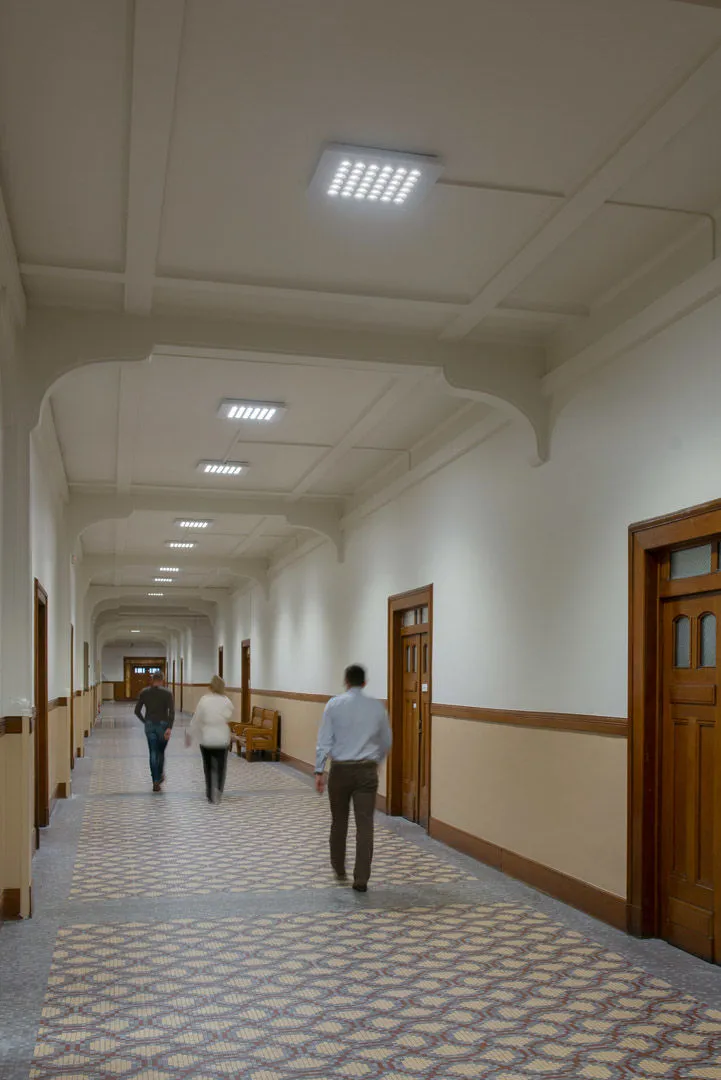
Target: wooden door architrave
pixel 397 605
pixel 649 542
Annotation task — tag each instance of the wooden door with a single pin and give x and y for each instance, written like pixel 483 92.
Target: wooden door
pixel 415 782
pixel 220 660
pixel 71 699
pixel 245 682
pixel 424 705
pixel 139 679
pixel 690 830
pixel 138 674
pixel 411 726
pixel 42 763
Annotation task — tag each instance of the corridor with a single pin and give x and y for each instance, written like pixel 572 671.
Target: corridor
pixel 175 939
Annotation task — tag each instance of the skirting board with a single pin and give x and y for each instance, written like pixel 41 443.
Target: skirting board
pixel 602 905
pixel 304 767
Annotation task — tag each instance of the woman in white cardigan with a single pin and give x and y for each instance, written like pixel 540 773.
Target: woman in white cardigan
pixel 210 727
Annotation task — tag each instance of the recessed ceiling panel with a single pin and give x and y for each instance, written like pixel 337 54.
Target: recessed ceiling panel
pixel 687 172
pixel 63 125
pixel 610 246
pixel 512 94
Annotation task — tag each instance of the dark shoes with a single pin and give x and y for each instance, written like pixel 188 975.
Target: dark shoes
pixel 340 875
pixel 360 888
pixel 157 787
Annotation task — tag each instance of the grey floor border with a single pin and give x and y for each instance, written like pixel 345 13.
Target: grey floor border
pixel 26 948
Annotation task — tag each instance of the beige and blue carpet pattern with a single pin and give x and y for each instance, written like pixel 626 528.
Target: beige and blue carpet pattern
pixel 197 942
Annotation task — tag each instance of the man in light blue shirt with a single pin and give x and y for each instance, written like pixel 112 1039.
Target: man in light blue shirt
pixel 356 735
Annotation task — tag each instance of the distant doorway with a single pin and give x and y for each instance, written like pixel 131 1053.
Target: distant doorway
pixel 245 681
pixel 42 763
pixel 138 673
pixel 220 661
pixel 410 651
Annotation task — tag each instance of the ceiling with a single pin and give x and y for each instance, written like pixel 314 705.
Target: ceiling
pixel 163 170
pixel 155 158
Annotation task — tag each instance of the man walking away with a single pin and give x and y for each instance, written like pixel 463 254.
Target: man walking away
pixel 159 718
pixel 356 735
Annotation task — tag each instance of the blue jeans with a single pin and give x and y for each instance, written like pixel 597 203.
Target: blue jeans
pixel 155 734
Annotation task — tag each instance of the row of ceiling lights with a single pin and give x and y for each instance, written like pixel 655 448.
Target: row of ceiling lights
pixel 244 410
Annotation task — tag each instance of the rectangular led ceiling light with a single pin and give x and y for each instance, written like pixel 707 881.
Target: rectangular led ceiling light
pixel 168 569
pixel 262 412
pixel 390 179
pixel 156 594
pixel 192 523
pixel 163 580
pixel 181 545
pixel 222 468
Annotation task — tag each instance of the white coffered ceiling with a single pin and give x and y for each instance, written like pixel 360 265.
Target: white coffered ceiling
pixel 155 159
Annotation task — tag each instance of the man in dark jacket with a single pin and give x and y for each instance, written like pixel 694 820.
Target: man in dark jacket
pixel 159 708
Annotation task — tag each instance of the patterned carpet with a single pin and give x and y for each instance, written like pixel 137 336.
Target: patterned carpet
pixel 451 989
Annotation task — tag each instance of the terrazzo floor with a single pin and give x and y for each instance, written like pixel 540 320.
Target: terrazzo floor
pixel 172 939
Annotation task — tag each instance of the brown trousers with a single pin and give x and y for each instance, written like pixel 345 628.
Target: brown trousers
pixel 355 781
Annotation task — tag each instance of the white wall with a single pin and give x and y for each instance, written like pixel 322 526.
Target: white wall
pixel 202 660
pixel 113 655
pixel 50 559
pixel 529 565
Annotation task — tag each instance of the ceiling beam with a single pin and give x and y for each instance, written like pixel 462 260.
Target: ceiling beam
pixel 252 291
pixel 670 117
pixel 319 515
pixel 157 42
pixel 254 569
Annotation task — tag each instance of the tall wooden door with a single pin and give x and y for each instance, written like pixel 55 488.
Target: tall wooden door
pixel 416 716
pixel 245 682
pixel 690 877
pixel 71 699
pixel 42 761
pixel 220 660
pixel 138 674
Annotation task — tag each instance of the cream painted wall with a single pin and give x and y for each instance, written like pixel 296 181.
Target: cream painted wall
pixel 17 779
pixel 556 797
pixel 59 748
pixel 529 567
pixel 299 724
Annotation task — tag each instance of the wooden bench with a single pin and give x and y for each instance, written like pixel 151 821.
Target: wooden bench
pixel 262 733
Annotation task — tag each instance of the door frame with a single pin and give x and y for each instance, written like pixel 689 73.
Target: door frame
pixel 648 543
pixel 394 772
pixel 71 699
pixel 40 679
pixel 181 683
pixel 129 662
pixel 245 681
